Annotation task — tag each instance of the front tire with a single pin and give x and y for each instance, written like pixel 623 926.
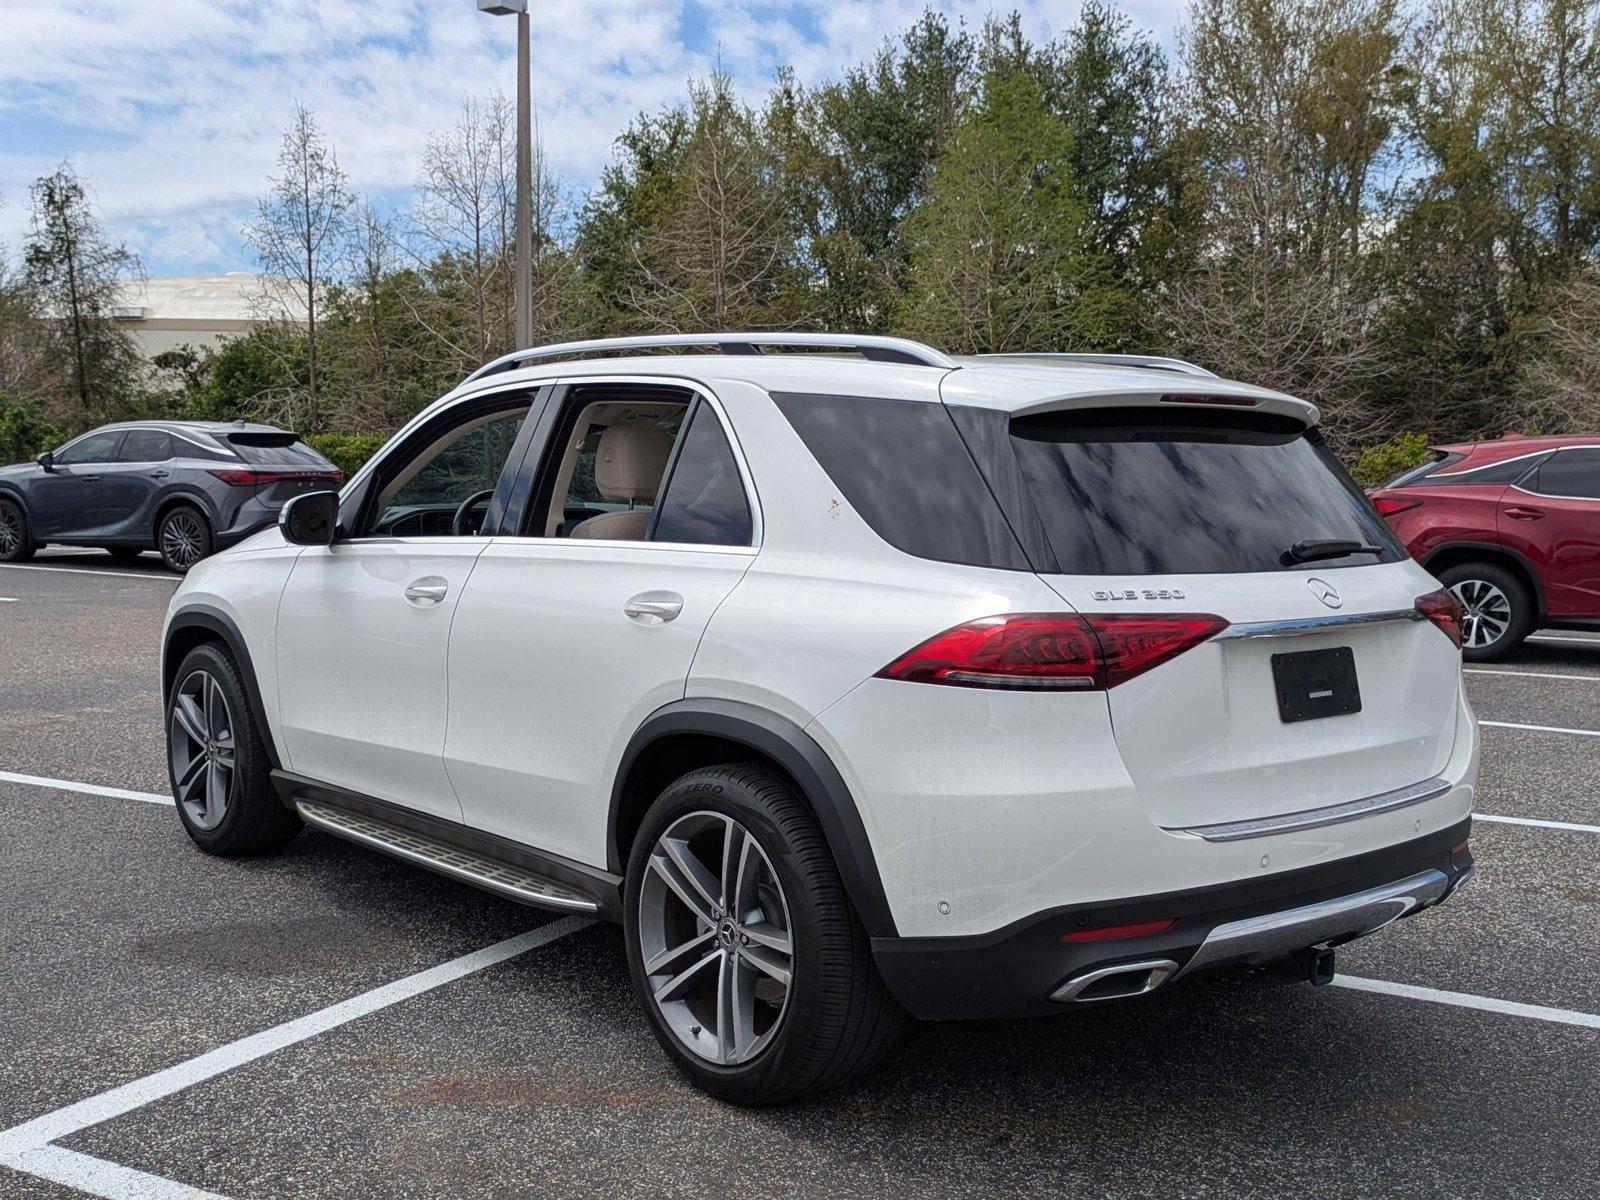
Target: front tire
pixel 16 540
pixel 1499 610
pixel 752 967
pixel 217 761
pixel 183 538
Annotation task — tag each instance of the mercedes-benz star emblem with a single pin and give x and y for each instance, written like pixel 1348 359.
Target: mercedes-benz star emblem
pixel 1324 591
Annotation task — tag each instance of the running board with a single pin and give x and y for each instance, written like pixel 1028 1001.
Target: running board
pixel 505 879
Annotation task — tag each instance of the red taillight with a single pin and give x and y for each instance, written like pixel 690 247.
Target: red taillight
pixel 1444 610
pixel 248 478
pixel 1052 651
pixel 1140 929
pixel 1388 506
pixel 1223 401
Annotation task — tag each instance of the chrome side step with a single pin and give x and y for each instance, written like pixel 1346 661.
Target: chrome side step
pixel 507 880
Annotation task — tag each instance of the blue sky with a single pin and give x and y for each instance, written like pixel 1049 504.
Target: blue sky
pixel 172 109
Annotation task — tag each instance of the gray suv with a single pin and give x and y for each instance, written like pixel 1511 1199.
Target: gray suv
pixel 183 488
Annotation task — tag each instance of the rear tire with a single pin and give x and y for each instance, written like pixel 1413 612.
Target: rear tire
pixel 16 540
pixel 1499 609
pixel 217 762
pixel 835 1019
pixel 183 538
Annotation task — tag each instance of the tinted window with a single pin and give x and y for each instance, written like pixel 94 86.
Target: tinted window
pixel 95 448
pixel 903 466
pixel 1569 473
pixel 1149 492
pixel 277 450
pixel 199 445
pixel 145 445
pixel 1509 471
pixel 705 501
pixel 1414 476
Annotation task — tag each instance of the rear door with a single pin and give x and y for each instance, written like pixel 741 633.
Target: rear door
pixel 1552 518
pixel 129 486
pixel 1326 687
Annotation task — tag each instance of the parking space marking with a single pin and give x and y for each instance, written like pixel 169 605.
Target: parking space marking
pixel 1533 674
pixel 1540 728
pixel 1569 826
pixel 91 571
pixel 1510 1008
pixel 18 1143
pixel 92 789
pixel 97 1177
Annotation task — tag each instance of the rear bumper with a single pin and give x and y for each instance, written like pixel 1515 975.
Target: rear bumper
pixel 1025 968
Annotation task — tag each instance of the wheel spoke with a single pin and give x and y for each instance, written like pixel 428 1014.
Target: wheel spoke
pixel 191 779
pixel 736 1010
pixel 190 718
pixel 217 780
pixel 679 983
pixel 742 886
pixel 769 963
pixel 683 888
pixel 697 874
pixel 666 959
pixel 764 933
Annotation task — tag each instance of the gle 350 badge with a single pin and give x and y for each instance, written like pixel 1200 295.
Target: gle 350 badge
pixel 1139 594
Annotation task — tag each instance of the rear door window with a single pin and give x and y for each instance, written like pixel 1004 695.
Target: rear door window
pixel 705 502
pixel 1147 491
pixel 145 445
pixel 1573 473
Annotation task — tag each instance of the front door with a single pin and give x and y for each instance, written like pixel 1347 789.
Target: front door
pixel 364 627
pixel 568 638
pixel 1552 518
pixel 65 500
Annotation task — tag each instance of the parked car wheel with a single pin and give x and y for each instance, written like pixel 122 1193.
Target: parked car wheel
pixel 184 538
pixel 16 543
pixel 221 776
pixel 753 969
pixel 1499 612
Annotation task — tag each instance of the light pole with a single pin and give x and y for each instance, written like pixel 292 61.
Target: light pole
pixel 524 281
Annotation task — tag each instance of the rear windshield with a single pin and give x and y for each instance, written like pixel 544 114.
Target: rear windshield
pixel 1145 491
pixel 1413 476
pixel 277 450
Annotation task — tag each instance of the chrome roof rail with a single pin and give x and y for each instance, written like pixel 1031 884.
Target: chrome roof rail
pixel 871 346
pixel 1151 361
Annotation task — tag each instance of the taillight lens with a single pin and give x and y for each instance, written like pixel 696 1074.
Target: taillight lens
pixel 1052 651
pixel 1388 506
pixel 248 478
pixel 1444 610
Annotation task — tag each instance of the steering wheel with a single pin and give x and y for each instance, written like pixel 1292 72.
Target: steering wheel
pixel 458 524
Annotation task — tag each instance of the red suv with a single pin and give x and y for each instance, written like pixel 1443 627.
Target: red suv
pixel 1512 527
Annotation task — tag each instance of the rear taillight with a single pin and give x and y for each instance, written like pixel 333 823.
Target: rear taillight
pixel 1052 651
pixel 1444 610
pixel 1388 506
pixel 247 478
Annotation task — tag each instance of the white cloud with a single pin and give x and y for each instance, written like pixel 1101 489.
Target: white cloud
pixel 174 108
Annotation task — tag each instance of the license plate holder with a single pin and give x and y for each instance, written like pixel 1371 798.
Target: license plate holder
pixel 1312 684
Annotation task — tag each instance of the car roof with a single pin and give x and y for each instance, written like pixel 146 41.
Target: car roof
pixel 1514 445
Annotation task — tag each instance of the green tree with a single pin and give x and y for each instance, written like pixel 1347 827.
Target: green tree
pixel 24 432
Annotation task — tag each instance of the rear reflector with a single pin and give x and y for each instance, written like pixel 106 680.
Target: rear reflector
pixel 1388 506
pixel 246 478
pixel 1052 651
pixel 1444 610
pixel 1118 931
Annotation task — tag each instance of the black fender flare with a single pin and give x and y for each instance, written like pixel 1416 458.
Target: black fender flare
pixel 793 749
pixel 15 494
pixel 221 626
pixel 1493 548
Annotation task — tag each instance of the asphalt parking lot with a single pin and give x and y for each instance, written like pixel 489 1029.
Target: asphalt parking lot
pixel 332 1023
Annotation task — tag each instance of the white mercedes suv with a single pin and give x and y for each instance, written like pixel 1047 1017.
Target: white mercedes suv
pixel 853 679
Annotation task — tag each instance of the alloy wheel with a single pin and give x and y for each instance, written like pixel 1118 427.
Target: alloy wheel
pixel 10 530
pixel 182 539
pixel 714 936
pixel 200 744
pixel 1487 612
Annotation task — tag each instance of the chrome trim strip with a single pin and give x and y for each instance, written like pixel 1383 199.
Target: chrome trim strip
pixel 1160 969
pixel 1314 818
pixel 1255 629
pixel 1273 936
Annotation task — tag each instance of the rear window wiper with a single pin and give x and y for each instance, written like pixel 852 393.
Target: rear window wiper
pixel 1317 549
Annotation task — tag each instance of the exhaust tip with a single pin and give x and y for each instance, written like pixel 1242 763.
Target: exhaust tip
pixel 1116 982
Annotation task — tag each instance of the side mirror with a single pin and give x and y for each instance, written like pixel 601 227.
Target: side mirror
pixel 310 520
pixel 47 460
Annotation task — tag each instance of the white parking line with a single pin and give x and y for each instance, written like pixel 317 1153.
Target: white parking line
pixel 1511 1008
pixel 97 1177
pixel 1569 826
pixel 1540 728
pixel 92 789
pixel 20 1141
pixel 1533 674
pixel 8 600
pixel 91 571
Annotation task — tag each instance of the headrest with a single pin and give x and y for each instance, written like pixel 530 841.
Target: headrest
pixel 630 461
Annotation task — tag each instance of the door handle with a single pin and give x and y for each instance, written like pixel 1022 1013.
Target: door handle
pixel 88 478
pixel 654 608
pixel 158 474
pixel 427 591
pixel 1518 512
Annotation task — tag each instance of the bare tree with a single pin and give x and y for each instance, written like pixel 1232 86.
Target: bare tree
pixel 77 277
pixel 298 232
pixel 1560 388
